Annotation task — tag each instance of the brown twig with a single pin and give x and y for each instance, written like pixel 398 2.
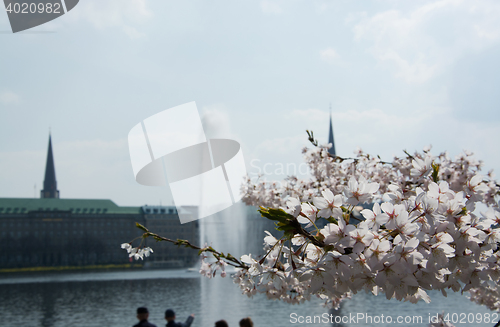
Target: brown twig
pixel 231 260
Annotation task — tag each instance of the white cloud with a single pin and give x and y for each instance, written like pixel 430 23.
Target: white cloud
pixel 8 98
pixel 216 122
pixel 270 7
pixel 329 55
pixel 420 43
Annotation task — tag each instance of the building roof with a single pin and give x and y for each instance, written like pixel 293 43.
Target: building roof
pixel 50 183
pixel 76 206
pixel 330 137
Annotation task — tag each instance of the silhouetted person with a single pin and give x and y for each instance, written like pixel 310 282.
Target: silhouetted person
pixel 246 322
pixel 143 315
pixel 170 317
pixel 221 323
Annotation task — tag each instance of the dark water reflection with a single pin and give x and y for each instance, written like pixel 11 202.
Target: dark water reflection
pixel 96 303
pixel 110 299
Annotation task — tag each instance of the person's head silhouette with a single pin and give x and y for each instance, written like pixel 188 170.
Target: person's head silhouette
pixel 221 323
pixel 142 313
pixel 246 322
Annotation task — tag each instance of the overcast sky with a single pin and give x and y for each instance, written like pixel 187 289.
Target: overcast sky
pixel 399 75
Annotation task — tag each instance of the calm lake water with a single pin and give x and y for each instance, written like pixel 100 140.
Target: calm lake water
pixel 110 299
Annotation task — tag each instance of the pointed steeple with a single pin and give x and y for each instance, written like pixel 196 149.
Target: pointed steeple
pixel 49 183
pixel 330 135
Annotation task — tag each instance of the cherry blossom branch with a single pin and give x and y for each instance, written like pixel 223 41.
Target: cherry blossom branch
pixel 230 259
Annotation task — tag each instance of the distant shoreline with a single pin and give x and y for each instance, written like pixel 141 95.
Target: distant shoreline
pixel 71 268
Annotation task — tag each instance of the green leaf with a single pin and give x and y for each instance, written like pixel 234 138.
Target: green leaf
pixel 276 214
pixel 333 220
pixel 141 227
pixel 435 172
pixel 463 211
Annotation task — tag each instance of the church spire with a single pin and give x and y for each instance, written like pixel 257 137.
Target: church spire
pixel 50 184
pixel 330 135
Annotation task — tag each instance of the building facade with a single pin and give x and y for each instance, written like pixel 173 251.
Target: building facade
pixel 164 221
pixel 51 231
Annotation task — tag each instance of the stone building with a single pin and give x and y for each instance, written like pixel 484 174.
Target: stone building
pixel 164 221
pixel 51 231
